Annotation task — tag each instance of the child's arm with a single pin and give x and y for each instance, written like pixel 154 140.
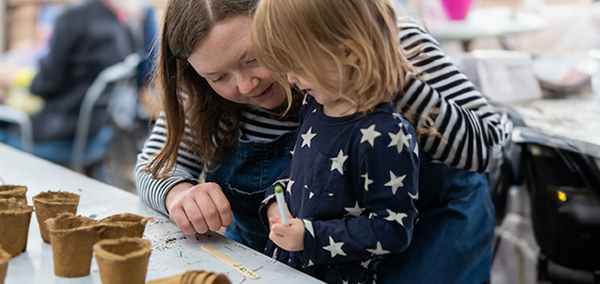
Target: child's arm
pixel 443 99
pixel 380 221
pixel 268 209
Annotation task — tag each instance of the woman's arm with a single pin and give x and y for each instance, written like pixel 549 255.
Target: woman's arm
pixel 445 100
pixel 154 191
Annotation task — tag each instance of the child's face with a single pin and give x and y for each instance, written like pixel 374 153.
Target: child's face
pixel 226 61
pixel 328 96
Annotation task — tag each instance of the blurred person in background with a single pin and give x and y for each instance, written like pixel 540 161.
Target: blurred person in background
pixel 87 38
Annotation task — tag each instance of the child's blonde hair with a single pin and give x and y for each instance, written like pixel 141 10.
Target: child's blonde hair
pixel 286 34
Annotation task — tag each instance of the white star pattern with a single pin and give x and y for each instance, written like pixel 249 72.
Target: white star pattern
pixel 372 215
pixel 365 264
pixel 354 211
pixel 369 134
pixel 338 162
pixel 395 182
pixel 268 199
pixel 310 263
pixel 310 195
pixel 307 137
pixel 367 181
pixel 416 196
pixel 304 102
pixel 275 253
pixel 309 227
pixel 396 115
pixel 399 140
pixel 334 248
pixel 289 186
pixel 378 250
pixel 293 150
pixel 395 216
pixel 344 282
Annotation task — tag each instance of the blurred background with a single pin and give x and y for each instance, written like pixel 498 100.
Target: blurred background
pixel 537 61
pixel 30 75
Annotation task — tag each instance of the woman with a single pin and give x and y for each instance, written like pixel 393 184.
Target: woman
pixel 223 118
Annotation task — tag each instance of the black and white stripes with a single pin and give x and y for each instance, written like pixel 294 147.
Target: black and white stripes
pixel 470 129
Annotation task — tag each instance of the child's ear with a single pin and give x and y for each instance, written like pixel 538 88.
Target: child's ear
pixel 349 54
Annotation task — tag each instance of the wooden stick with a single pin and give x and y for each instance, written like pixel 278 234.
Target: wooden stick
pixel 230 262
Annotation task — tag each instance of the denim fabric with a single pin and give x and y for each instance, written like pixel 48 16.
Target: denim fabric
pixel 244 179
pixel 452 240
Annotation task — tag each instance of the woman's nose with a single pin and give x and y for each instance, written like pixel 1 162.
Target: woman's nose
pixel 247 83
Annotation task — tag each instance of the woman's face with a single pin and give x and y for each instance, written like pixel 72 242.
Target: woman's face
pixel 226 61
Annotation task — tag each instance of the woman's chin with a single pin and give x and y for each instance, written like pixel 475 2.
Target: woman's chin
pixel 276 100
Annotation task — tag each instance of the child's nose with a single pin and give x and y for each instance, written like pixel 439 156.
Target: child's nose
pixel 292 79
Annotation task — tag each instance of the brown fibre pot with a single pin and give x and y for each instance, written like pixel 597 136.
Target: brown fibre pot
pixel 50 204
pixel 124 225
pixel 72 240
pixel 194 277
pixel 17 191
pixel 4 258
pixel 123 261
pixel 14 224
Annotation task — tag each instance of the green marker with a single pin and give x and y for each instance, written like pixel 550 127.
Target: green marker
pixel 281 203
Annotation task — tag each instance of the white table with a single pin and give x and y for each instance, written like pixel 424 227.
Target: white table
pixel 485 22
pixel 575 119
pixel 172 251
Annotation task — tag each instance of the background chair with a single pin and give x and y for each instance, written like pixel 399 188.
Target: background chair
pixel 115 88
pixel 123 76
pixel 505 172
pixel 12 115
pixel 564 186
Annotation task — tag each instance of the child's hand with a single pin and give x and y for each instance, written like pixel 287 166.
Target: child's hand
pixel 273 212
pixel 290 238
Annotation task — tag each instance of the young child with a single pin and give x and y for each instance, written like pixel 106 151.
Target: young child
pixel 351 183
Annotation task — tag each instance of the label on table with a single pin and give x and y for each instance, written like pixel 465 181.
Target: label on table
pixel 230 262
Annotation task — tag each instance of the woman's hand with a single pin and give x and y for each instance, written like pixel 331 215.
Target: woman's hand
pixel 199 208
pixel 290 238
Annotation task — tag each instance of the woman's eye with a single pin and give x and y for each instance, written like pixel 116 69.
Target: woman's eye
pixel 251 61
pixel 217 79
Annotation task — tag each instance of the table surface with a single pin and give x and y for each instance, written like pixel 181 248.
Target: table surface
pixel 575 119
pixel 172 251
pixel 486 22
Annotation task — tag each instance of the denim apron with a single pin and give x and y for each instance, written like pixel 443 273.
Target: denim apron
pixel 452 240
pixel 244 178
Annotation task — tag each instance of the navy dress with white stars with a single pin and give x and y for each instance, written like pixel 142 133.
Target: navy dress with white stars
pixel 353 181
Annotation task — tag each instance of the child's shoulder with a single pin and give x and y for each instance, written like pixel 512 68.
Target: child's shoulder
pixel 386 118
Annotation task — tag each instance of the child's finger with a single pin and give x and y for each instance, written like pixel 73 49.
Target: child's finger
pixel 277 239
pixel 279 229
pixel 273 220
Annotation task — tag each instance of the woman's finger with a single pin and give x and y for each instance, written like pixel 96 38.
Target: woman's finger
pixel 178 216
pixel 221 204
pixel 195 216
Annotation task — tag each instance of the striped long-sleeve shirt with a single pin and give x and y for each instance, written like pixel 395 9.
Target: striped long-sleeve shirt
pixel 441 96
